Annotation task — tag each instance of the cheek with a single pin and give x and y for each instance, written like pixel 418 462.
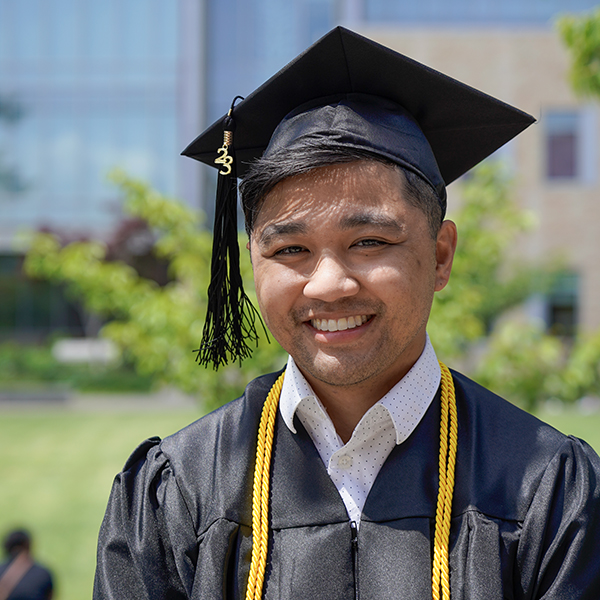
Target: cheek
pixel 388 279
pixel 276 287
pixel 262 287
pixel 407 282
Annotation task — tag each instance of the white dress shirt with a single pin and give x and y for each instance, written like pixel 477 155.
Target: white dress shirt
pixel 354 466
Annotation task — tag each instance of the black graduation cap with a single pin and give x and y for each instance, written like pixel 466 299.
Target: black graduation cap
pixel 369 97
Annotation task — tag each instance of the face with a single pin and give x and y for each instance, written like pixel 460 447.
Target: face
pixel 345 270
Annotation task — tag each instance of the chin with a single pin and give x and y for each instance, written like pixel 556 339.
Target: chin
pixel 339 373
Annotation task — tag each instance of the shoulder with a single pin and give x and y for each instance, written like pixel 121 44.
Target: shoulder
pixel 507 455
pixel 501 421
pixel 212 454
pixel 228 428
pixel 224 426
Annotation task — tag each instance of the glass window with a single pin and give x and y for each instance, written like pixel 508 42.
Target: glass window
pixel 468 11
pixel 98 25
pixel 63 27
pixel 562 305
pixel 134 30
pixel 33 308
pixel 27 35
pixel 562 145
pixel 6 32
pixel 98 84
pixel 163 30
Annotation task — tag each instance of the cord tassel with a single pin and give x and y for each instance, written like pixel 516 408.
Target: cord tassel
pixel 230 316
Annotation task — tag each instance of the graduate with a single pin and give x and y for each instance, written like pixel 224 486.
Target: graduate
pixel 365 468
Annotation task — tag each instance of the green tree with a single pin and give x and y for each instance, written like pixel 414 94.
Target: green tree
pixel 469 321
pixel 523 363
pixel 519 360
pixel 526 365
pixel 581 376
pixel 487 279
pixel 581 35
pixel 156 327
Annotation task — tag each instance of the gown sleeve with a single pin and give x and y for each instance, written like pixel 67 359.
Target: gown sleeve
pixel 147 541
pixel 559 548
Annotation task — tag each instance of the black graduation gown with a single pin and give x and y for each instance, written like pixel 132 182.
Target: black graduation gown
pixel 525 524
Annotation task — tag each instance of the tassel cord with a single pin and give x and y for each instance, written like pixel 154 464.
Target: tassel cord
pixel 231 318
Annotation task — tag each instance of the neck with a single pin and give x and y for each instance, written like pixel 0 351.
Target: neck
pixel 346 405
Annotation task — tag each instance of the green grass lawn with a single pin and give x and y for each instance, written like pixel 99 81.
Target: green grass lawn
pixel 56 473
pixel 572 422
pixel 58 466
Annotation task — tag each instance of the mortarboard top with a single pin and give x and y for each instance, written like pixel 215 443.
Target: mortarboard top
pixel 462 125
pixel 355 93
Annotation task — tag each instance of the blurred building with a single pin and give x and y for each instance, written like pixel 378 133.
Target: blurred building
pixel 98 85
pixel 89 86
pixel 512 50
pixel 86 86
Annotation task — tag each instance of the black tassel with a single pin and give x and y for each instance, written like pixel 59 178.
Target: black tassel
pixel 230 317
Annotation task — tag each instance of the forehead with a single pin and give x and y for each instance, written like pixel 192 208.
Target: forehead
pixel 331 192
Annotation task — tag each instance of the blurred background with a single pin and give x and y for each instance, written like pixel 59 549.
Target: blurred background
pixel 104 227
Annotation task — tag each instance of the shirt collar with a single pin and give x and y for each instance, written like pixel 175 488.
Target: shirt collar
pixel 406 402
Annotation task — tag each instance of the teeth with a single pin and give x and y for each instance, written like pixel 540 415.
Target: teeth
pixel 339 325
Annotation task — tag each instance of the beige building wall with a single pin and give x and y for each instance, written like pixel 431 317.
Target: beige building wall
pixel 527 68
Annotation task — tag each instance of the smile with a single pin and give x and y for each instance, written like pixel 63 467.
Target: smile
pixel 339 324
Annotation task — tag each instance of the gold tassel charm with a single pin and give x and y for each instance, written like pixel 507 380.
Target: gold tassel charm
pixel 225 159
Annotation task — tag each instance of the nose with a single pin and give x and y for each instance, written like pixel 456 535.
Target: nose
pixel 330 281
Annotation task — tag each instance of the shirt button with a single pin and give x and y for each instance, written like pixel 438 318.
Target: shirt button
pixel 344 462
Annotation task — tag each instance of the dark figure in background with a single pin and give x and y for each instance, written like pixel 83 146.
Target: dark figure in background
pixel 20 577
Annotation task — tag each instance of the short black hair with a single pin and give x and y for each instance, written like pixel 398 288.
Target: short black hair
pixel 267 171
pixel 16 541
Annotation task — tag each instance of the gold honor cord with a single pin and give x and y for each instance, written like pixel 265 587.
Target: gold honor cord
pixel 260 493
pixel 440 577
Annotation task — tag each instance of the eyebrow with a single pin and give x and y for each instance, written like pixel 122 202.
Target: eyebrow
pixel 278 229
pixel 369 218
pixel 347 223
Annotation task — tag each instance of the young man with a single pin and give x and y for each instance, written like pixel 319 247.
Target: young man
pixel 367 470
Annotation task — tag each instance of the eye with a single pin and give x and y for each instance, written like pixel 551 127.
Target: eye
pixel 370 243
pixel 290 250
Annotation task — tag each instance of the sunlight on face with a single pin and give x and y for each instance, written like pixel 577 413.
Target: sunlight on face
pixel 345 270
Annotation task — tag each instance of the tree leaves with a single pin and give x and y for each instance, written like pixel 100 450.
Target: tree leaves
pixel 581 35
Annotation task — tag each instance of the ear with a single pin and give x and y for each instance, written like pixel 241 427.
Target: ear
pixel 249 248
pixel 445 247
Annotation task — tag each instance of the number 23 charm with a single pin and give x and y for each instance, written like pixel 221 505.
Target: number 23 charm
pixel 225 159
